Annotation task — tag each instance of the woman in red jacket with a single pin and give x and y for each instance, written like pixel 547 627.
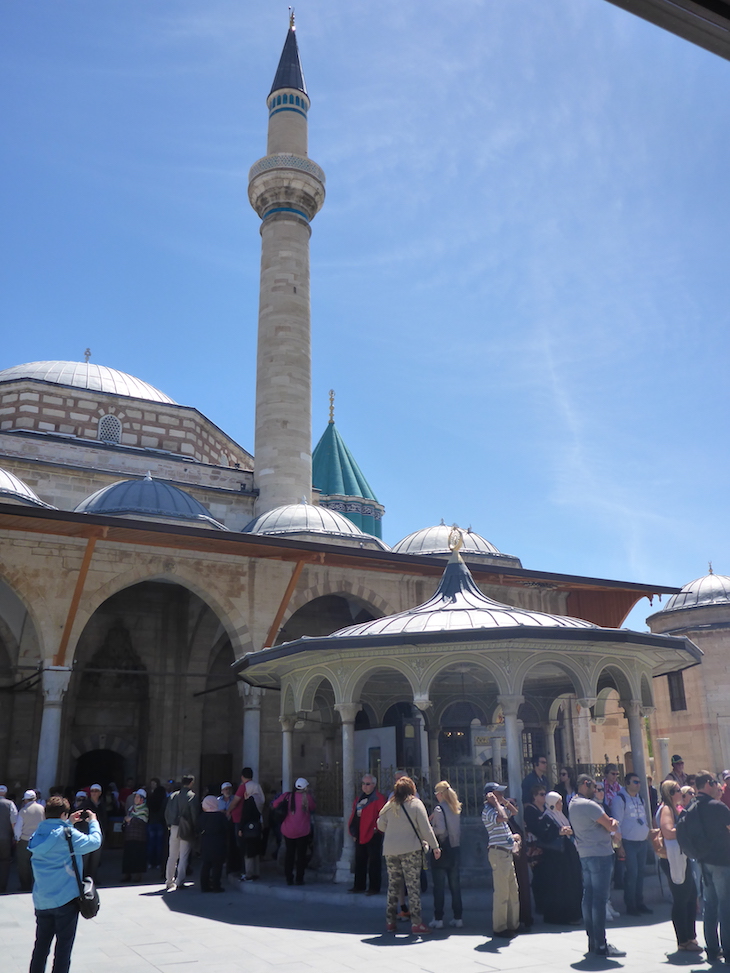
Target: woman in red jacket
pixel 368 840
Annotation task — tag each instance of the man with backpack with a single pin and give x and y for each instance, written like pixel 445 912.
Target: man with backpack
pixel 629 810
pixel 703 832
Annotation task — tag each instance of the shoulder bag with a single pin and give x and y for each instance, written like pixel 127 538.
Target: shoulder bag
pixel 88 898
pixel 445 845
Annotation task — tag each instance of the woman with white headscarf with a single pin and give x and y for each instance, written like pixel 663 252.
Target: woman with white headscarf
pixel 559 864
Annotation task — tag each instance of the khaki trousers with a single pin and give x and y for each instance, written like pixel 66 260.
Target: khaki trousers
pixel 506 901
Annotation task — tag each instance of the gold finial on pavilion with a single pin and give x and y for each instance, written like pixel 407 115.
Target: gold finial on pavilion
pixel 87 355
pixel 709 565
pixel 332 405
pixel 291 18
pixel 456 540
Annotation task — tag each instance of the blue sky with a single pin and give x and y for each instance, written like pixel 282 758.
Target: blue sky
pixel 519 281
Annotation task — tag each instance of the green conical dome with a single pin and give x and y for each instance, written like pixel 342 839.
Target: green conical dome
pixel 341 482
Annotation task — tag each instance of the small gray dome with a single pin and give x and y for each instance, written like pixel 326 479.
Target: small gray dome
pixel 14 490
pixel 148 498
pixel 85 375
pixel 435 541
pixel 712 589
pixel 459 605
pixel 306 518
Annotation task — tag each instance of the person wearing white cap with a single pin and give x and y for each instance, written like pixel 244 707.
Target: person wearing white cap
pixel 296 828
pixel 8 817
pixel 29 817
pixel 93 803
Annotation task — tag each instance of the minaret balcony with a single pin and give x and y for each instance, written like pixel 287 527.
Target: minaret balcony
pixel 286 183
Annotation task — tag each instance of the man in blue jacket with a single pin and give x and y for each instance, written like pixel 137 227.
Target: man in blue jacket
pixel 55 889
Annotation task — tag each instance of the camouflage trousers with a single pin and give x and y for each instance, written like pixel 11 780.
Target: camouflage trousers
pixel 404 868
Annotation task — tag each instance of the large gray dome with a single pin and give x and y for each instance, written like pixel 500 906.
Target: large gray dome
pixel 712 589
pixel 300 519
pixel 148 498
pixel 435 541
pixel 15 490
pixel 85 375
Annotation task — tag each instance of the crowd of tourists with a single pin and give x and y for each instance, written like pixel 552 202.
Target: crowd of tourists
pixel 559 859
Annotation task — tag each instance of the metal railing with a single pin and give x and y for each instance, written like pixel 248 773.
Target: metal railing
pixel 467 780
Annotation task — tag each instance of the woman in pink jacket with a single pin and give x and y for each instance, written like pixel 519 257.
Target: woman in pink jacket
pixel 296 828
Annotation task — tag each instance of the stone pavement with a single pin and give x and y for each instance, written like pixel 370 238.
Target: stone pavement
pixel 268 927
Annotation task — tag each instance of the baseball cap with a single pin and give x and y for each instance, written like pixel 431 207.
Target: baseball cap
pixel 29 796
pixel 492 785
pixel 676 759
pixel 80 793
pixel 95 787
pixel 3 789
pixel 301 783
pixel 227 783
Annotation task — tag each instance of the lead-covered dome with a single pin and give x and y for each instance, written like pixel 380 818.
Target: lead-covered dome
pixel 85 375
pixel 304 520
pixel 459 605
pixel 15 490
pixel 435 541
pixel 149 499
pixel 712 589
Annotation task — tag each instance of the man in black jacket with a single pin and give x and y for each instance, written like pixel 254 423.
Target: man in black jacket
pixel 715 861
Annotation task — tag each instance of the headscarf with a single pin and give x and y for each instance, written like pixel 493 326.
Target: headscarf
pixel 210 803
pixel 140 811
pixel 551 801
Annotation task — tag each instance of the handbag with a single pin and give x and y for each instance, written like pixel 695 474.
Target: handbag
pixel 185 830
pixel 656 839
pixel 446 851
pixel 88 898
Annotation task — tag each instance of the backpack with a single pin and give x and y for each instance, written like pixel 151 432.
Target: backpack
pixel 691 833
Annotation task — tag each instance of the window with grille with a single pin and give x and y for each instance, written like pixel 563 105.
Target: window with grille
pixel 110 429
pixel 677 699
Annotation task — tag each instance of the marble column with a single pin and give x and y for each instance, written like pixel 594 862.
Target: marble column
pixel 348 713
pixel 54 683
pixel 552 758
pixel 251 751
pixel 635 717
pixel 582 731
pixel 663 764
pixel 433 752
pixel 287 749
pixel 512 731
pixel 497 758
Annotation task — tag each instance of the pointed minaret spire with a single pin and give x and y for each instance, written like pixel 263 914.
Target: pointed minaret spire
pixel 289 74
pixel 287 191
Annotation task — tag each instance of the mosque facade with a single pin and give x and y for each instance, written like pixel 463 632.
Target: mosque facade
pixel 170 603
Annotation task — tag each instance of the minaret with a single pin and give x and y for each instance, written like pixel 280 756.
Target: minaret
pixel 287 190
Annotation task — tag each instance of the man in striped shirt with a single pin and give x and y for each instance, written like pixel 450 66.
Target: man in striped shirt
pixel 503 845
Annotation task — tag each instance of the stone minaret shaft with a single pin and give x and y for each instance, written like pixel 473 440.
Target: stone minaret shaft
pixel 287 190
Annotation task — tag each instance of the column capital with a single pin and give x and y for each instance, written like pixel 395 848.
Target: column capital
pixel 348 711
pixel 54 682
pixel 251 695
pixel 423 703
pixel 510 704
pixel 585 702
pixel 287 723
pixel 631 707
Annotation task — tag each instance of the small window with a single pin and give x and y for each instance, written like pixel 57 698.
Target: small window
pixel 110 429
pixel 677 699
pixel 278 99
pixel 297 99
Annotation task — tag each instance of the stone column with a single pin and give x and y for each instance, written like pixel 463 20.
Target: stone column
pixel 251 696
pixel 635 717
pixel 663 764
pixel 510 707
pixel 427 768
pixel 552 758
pixel 287 749
pixel 54 682
pixel 582 731
pixel 348 712
pixel 497 758
pixel 433 752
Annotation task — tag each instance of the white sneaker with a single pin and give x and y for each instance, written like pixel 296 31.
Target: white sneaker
pixel 610 914
pixel 436 924
pixel 457 923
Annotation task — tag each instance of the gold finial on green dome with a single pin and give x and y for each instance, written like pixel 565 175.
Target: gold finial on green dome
pixel 456 540
pixel 291 18
pixel 332 405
